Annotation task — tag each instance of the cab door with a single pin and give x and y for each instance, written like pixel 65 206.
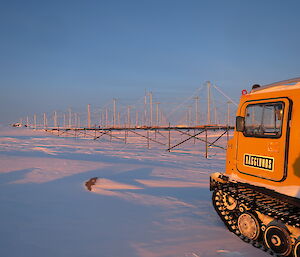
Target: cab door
pixel 262 146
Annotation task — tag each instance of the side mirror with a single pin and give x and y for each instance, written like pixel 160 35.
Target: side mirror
pixel 240 123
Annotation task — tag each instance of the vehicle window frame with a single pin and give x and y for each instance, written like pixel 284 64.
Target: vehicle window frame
pixel 265 136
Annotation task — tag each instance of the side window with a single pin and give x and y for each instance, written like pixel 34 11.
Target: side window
pixel 264 120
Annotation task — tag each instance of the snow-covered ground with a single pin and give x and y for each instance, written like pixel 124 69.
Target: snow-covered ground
pixel 146 202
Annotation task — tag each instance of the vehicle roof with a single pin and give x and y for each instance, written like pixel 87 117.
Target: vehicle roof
pixel 290 84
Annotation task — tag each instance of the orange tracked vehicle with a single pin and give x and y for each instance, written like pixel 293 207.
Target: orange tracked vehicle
pixel 258 196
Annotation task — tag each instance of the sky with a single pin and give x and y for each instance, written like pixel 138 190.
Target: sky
pixel 60 54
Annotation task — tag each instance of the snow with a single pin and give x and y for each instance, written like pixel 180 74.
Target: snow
pixel 146 202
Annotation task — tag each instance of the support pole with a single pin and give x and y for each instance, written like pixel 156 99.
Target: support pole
pixel 114 113
pixel 169 138
pixel 208 102
pixel 145 108
pixel 89 115
pixel 106 117
pixel 196 110
pixel 216 119
pixel 55 119
pixel 206 144
pixel 45 121
pixel 75 120
pixel 70 117
pixel 34 120
pixel 102 119
pixel 136 118
pixel 151 108
pixel 157 114
pixel 189 115
pixel 128 116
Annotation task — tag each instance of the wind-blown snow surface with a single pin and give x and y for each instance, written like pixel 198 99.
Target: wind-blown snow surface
pixel 146 203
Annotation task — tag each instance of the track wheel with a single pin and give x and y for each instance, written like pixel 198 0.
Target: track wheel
pixel 229 202
pixel 277 238
pixel 249 225
pixel 297 249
